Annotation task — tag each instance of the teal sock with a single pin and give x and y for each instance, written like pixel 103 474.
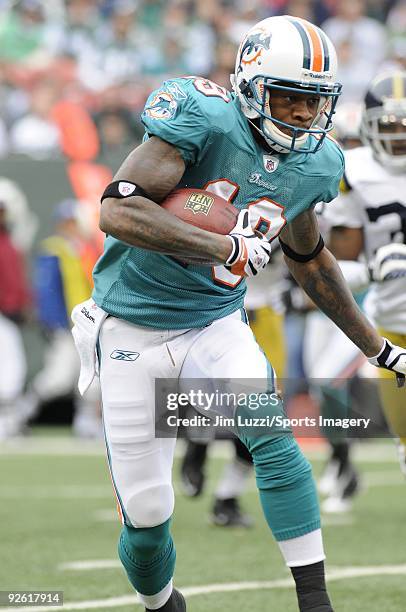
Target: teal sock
pixel 284 476
pixel 287 490
pixel 148 555
pixel 286 486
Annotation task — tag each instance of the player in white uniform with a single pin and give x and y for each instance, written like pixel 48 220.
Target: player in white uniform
pixel 339 482
pixel 368 222
pixel 17 230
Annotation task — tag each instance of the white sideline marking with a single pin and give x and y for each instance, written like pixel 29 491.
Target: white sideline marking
pixel 90 565
pixel 58 492
pixel 335 573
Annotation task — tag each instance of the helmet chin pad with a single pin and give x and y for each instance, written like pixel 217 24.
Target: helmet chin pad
pixel 280 141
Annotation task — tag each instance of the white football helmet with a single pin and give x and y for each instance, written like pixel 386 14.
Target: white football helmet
pixel 283 53
pixel 347 123
pixel 383 123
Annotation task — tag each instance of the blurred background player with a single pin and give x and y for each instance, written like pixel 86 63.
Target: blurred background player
pixel 226 508
pixel 15 302
pixel 368 225
pixel 329 378
pixel 62 279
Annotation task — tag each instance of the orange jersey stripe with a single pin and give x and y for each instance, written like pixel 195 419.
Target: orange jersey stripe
pixel 318 55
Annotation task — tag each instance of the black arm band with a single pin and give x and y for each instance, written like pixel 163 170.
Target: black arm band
pixel 302 258
pixel 123 189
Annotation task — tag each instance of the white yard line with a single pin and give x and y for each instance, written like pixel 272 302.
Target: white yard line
pixel 337 573
pixel 328 520
pixel 51 446
pixel 90 565
pixel 380 451
pixel 371 479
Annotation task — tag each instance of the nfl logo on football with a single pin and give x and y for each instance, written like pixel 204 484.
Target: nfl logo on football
pixel 199 203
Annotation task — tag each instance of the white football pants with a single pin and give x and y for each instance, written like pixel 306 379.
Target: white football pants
pixel 140 464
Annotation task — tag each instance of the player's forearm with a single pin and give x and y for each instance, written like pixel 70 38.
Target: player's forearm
pixel 324 283
pixel 142 223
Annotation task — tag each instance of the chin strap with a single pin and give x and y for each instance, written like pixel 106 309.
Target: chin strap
pixel 271 145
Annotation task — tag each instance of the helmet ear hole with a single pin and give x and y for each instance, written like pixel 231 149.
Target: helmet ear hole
pixel 245 89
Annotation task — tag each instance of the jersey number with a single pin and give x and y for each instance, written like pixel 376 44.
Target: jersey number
pixel 394 208
pixel 208 88
pixel 265 213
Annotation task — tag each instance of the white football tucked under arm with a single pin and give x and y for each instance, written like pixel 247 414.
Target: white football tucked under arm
pixel 356 274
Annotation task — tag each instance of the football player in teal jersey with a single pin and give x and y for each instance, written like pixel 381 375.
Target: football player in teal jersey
pixel 152 316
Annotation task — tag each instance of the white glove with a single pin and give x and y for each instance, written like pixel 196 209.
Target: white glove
pixel 391 357
pixel 250 252
pixel 389 263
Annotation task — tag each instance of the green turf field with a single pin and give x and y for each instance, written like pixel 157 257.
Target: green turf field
pixel 57 510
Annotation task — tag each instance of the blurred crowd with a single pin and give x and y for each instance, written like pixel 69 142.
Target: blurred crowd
pixel 105 56
pixel 74 77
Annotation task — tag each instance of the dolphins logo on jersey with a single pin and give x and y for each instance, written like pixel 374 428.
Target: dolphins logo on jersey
pixel 162 106
pixel 253 47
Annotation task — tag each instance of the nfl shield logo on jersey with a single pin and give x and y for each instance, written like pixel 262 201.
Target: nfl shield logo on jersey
pixel 271 162
pixel 199 203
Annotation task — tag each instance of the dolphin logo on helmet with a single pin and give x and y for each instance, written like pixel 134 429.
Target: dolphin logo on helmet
pixel 253 47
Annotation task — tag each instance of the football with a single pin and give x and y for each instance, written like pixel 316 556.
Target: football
pixel 202 209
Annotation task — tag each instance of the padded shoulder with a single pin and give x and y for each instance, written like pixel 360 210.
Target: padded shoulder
pixel 361 167
pixel 187 111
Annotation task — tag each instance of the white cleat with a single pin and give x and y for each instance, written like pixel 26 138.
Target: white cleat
pixel 346 487
pixel 328 480
pixel 336 505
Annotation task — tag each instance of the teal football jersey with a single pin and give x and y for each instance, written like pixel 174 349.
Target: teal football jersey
pixel 205 123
